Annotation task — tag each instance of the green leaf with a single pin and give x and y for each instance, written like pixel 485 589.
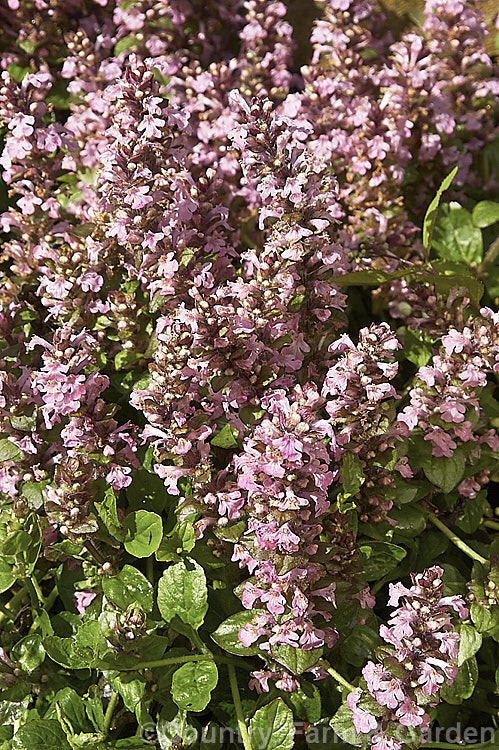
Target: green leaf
pixel 144 533
pixel 130 743
pixel 108 513
pixel 192 684
pixel 469 644
pixel 464 683
pixel 306 702
pixel 129 587
pixel 172 726
pixel 131 686
pixel 72 708
pixel 225 438
pixel 7 577
pixel 380 558
pixel 126 357
pixel 343 726
pixel 29 652
pixel 180 540
pixel 272 728
pixel 9 451
pixel 416 350
pixel 93 707
pixel 411 521
pixel 126 42
pixel 182 592
pixel 296 660
pixel 226 635
pixel 33 492
pixel 471 516
pixel 485 213
pixel 359 645
pixel 367 278
pixel 456 237
pixel 445 472
pixel 40 734
pixel 352 473
pixel 431 212
pixel 147 491
pixel 485 619
pixel 445 284
pixel 79 652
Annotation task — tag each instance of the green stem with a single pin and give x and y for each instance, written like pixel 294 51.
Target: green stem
pixel 13 603
pixel 108 717
pixel 95 553
pixel 38 591
pixel 35 602
pixel 150 569
pixel 196 639
pixel 490 257
pixel 49 601
pixel 6 612
pixel 178 660
pixel 455 539
pixel 336 675
pixel 243 729
pixel 491 524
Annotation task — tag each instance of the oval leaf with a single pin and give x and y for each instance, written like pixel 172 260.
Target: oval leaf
pixel 272 728
pixel 144 533
pixel 192 685
pixel 182 592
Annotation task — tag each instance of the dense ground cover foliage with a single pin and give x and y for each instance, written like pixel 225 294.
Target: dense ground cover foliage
pixel 249 359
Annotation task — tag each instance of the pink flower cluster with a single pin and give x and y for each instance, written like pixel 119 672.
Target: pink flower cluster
pixel 444 404
pixel 420 657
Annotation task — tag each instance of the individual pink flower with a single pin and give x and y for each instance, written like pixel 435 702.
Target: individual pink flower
pixel 83 599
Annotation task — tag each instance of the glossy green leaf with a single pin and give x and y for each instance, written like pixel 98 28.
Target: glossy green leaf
pixel 455 236
pixel 272 728
pixel 411 521
pixel 72 708
pixel 40 734
pixel 144 531
pixel 296 660
pixel 131 686
pixel 380 558
pixel 147 492
pixel 431 212
pixel 108 513
pixel 29 652
pixel 343 726
pixel 226 635
pixel 470 517
pixel 129 587
pixel 225 438
pixel 306 702
pixel 182 592
pixel 469 643
pixel 192 684
pixel 485 213
pixel 7 577
pixel 464 683
pixel 33 493
pixel 416 350
pixel 352 473
pixel 173 726
pixel 93 707
pixel 445 472
pixel 9 451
